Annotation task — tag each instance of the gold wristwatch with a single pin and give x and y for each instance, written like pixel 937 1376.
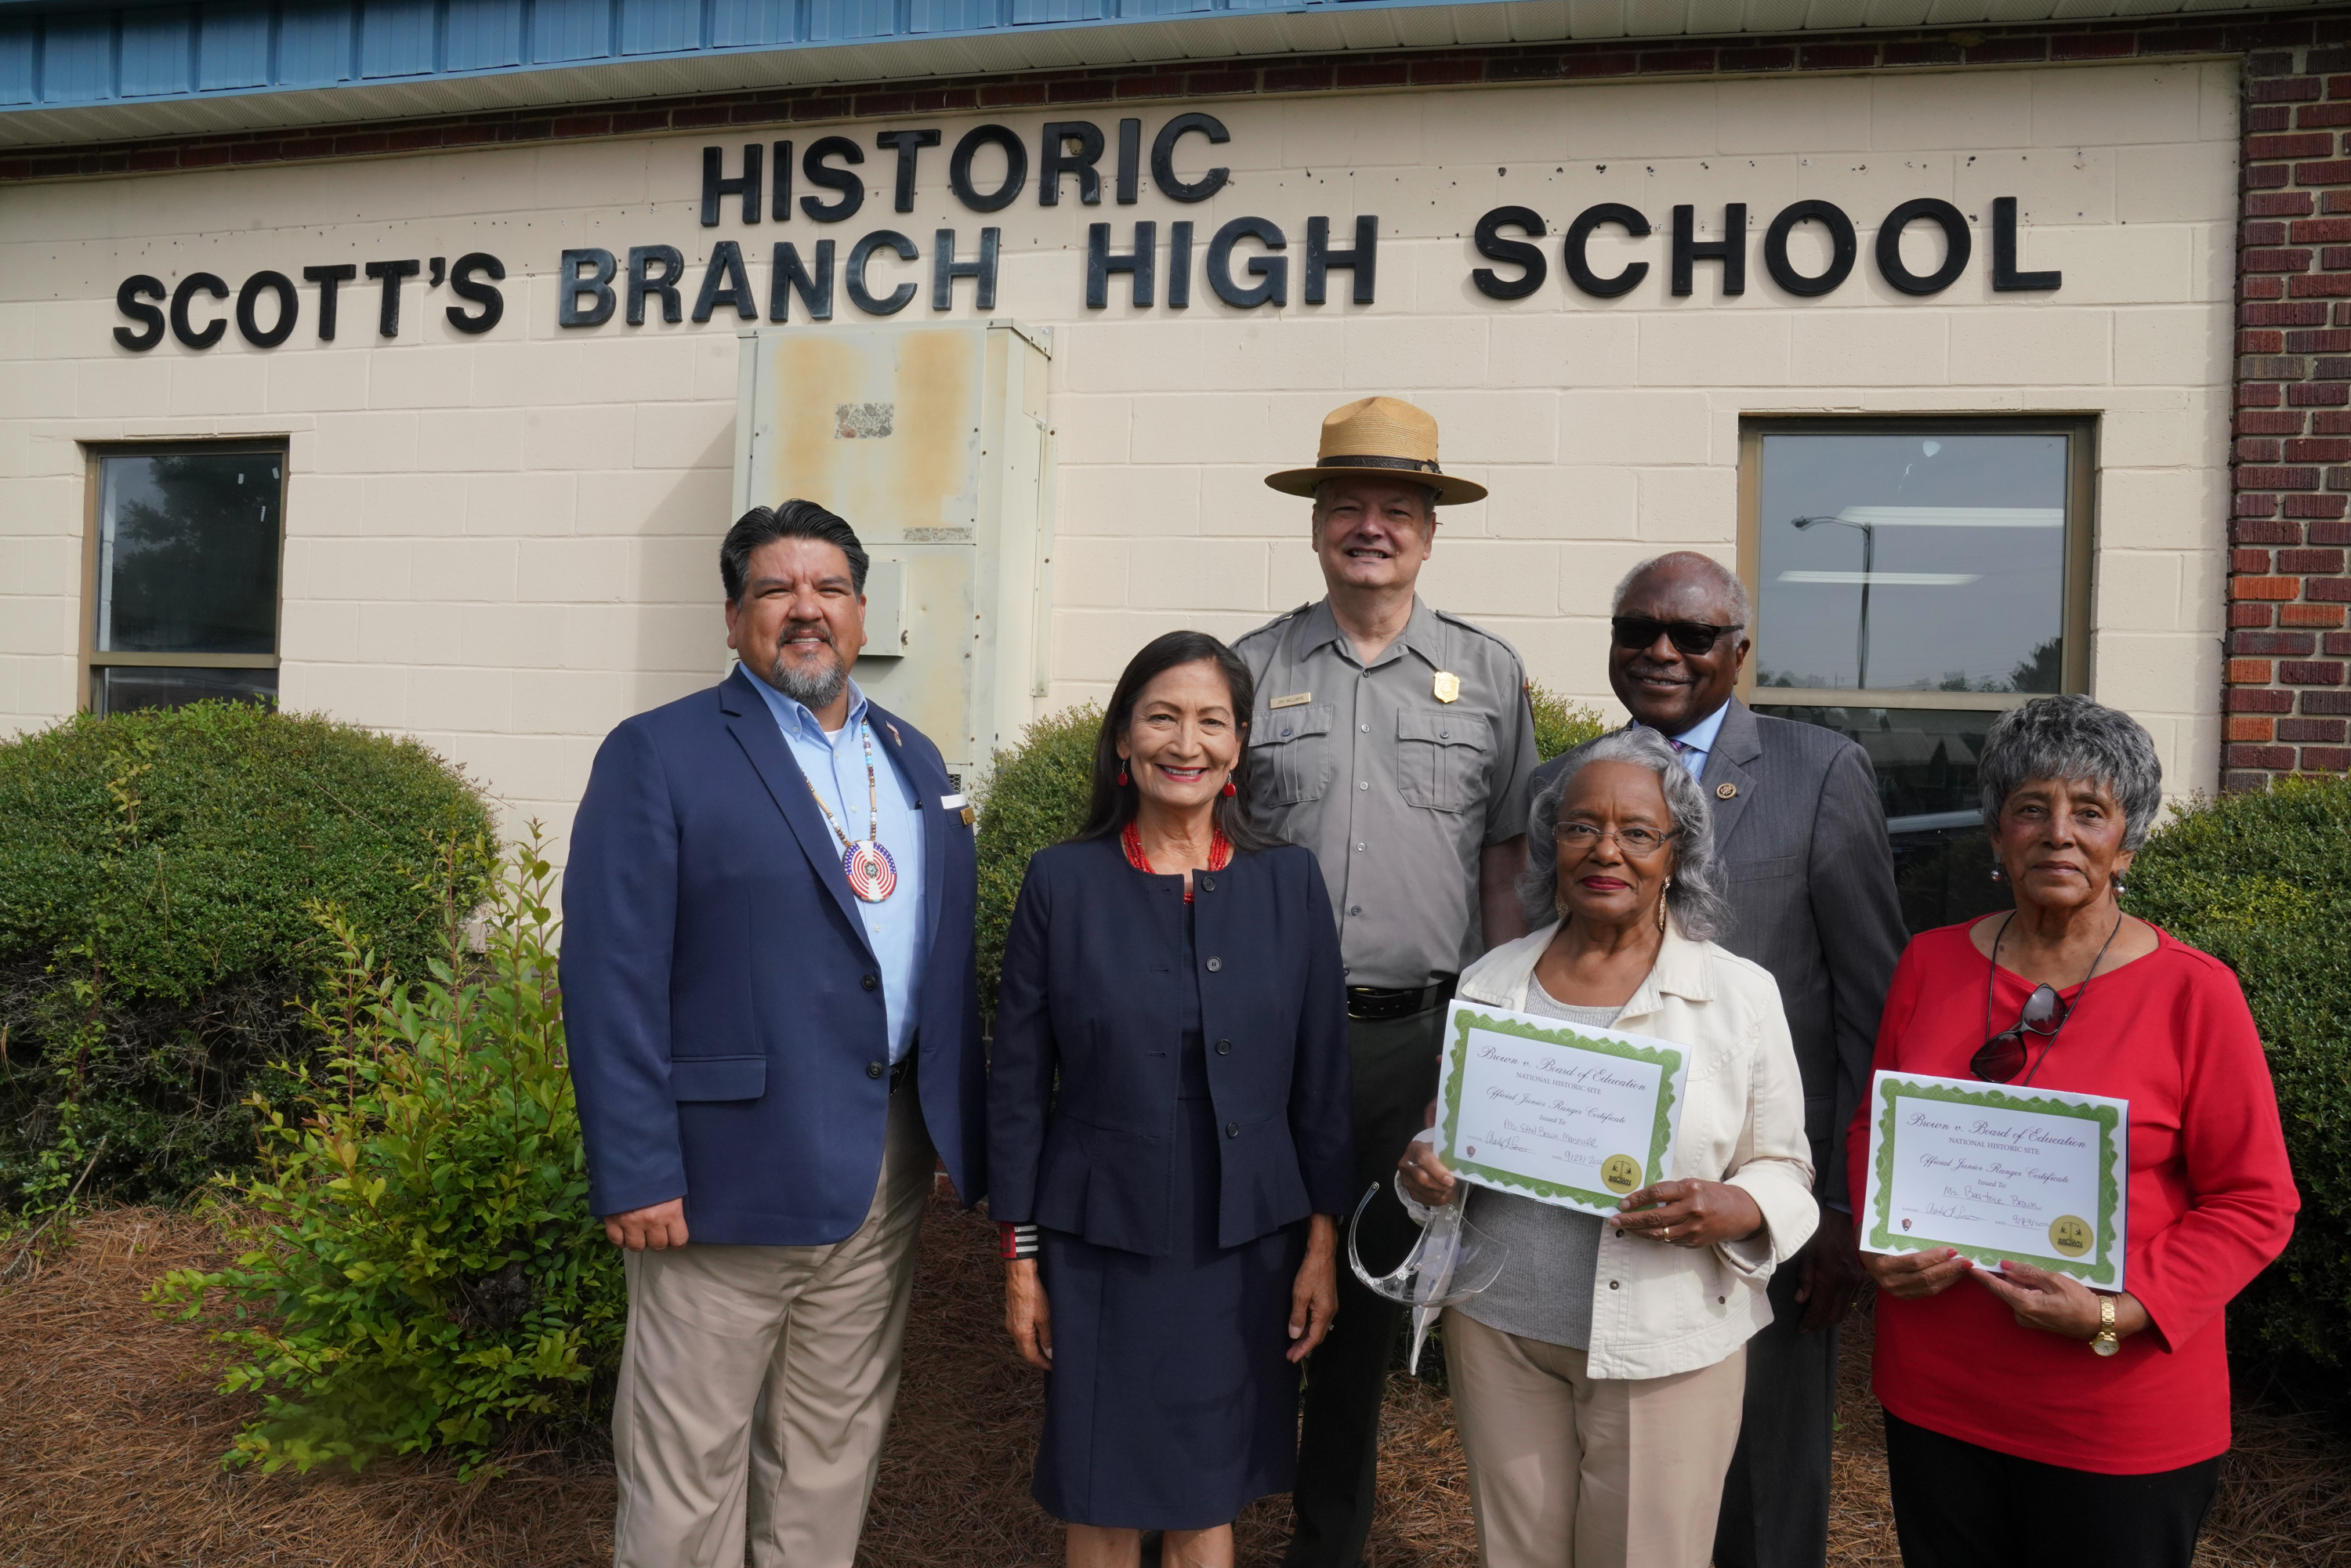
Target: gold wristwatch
pixel 2107 1341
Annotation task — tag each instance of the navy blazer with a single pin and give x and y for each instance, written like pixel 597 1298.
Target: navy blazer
pixel 1094 980
pixel 722 1010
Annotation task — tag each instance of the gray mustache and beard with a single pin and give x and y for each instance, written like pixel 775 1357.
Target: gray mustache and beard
pixel 811 688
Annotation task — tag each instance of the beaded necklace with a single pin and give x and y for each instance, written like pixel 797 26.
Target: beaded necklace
pixel 872 874
pixel 1220 853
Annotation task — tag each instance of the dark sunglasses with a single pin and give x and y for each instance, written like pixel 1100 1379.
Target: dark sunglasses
pixel 1691 637
pixel 2002 1057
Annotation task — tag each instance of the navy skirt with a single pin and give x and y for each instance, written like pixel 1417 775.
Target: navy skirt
pixel 1171 1404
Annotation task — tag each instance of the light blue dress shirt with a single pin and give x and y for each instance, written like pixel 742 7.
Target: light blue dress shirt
pixel 835 766
pixel 1698 739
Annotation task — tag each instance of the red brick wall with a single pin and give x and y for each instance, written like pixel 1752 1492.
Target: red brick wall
pixel 2287 703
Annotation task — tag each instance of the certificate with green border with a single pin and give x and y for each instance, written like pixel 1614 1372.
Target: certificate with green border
pixel 2036 1176
pixel 1569 1115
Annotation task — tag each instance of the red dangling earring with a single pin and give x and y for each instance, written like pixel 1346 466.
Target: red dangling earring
pixel 1122 778
pixel 1230 788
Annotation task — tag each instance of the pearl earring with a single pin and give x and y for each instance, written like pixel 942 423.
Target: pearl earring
pixel 1996 875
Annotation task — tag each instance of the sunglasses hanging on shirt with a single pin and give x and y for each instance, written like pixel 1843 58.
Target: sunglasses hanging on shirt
pixel 2003 1055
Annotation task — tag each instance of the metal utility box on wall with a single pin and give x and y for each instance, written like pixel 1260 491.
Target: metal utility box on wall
pixel 932 442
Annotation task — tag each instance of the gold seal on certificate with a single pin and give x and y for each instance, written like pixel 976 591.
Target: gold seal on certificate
pixel 1999 1172
pixel 1569 1115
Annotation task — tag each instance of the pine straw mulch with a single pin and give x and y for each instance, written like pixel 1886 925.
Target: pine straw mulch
pixel 111 1438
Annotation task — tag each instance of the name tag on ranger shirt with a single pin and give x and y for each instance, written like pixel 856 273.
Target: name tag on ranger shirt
pixel 1295 699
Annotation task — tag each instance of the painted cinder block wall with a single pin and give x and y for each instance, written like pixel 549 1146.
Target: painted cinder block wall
pixel 505 544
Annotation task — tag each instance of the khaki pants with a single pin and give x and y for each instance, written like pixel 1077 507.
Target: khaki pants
pixel 757 1383
pixel 1567 1471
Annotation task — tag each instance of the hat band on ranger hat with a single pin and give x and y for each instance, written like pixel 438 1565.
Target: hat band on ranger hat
pixel 1410 465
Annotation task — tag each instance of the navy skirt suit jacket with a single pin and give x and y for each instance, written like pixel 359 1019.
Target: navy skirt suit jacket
pixel 1086 1073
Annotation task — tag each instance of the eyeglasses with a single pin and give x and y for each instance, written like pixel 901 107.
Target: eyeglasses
pixel 2002 1057
pixel 1691 637
pixel 1633 840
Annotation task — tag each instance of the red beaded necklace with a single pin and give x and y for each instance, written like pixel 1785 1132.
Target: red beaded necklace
pixel 1220 853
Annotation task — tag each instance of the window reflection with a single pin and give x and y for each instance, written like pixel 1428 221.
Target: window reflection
pixel 188 553
pixel 1913 562
pixel 1926 762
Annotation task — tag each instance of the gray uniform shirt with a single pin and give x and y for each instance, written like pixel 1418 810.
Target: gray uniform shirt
pixel 1545 1291
pixel 1396 791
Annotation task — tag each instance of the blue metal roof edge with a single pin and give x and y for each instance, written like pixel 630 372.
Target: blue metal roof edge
pixel 76 70
pixel 79 55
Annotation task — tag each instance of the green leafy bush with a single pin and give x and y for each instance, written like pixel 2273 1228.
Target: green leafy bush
pixel 2262 882
pixel 1560 725
pixel 420 1272
pixel 154 867
pixel 1035 795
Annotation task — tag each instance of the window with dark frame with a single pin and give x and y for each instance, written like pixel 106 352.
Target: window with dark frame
pixel 1914 579
pixel 183 572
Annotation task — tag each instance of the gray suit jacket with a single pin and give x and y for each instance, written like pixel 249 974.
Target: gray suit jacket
pixel 1810 885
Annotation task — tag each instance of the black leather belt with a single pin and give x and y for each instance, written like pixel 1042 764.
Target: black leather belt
pixel 903 1069
pixel 1374 1004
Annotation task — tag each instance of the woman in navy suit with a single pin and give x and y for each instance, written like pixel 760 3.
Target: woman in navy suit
pixel 1169 1136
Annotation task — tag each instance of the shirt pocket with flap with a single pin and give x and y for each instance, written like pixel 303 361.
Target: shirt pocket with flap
pixel 1289 754
pixel 1439 757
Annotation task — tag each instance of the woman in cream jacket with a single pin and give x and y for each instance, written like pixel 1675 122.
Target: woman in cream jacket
pixel 1598 1381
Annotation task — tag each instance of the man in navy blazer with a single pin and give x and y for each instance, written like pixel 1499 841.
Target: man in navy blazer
pixel 769 995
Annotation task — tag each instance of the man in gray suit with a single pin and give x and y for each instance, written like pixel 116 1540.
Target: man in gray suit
pixel 1802 837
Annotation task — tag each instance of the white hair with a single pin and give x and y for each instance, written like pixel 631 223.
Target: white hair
pixel 1713 571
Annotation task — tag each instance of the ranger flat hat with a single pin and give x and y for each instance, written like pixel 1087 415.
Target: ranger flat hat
pixel 1378 436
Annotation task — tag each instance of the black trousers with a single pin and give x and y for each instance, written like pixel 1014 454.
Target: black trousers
pixel 1347 1376
pixel 1775 1501
pixel 1957 1505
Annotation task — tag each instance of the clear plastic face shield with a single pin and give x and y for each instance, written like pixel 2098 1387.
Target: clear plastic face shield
pixel 1452 1261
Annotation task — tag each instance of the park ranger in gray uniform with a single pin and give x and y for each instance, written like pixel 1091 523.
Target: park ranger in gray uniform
pixel 1396 742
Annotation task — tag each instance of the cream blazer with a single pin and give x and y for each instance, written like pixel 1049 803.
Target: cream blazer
pixel 1658 1309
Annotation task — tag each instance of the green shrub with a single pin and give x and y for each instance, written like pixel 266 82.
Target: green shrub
pixel 1558 723
pixel 1035 795
pixel 154 867
pixel 2262 882
pixel 420 1272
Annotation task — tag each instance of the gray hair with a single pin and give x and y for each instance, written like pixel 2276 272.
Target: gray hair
pixel 2073 736
pixel 1695 897
pixel 1713 571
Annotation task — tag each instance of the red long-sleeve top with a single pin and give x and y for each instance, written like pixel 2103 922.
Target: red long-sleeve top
pixel 2211 1202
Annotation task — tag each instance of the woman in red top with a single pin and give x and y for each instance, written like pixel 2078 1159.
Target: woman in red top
pixel 2020 1412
